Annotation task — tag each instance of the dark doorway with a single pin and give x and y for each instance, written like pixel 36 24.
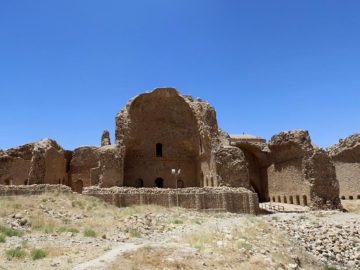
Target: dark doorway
pixel 180 184
pixel 159 150
pixel 159 182
pixel 78 186
pixel 139 183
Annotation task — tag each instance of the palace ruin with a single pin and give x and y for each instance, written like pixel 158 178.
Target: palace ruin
pixel 161 130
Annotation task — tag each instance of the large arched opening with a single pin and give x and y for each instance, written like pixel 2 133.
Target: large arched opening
pixel 258 163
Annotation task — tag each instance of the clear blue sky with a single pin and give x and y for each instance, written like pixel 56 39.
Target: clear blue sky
pixel 67 67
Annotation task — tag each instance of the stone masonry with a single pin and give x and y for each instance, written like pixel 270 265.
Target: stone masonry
pixel 162 130
pixel 346 158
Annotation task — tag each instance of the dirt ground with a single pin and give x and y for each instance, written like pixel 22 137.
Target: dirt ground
pixel 74 231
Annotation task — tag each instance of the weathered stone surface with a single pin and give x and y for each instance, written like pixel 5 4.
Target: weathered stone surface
pixel 91 165
pixel 257 155
pixel 184 130
pixel 346 157
pixel 84 159
pixel 239 200
pixel 290 144
pixel 111 166
pixel 105 138
pixel 346 150
pixel 301 173
pixel 231 167
pixel 34 163
pixel 13 190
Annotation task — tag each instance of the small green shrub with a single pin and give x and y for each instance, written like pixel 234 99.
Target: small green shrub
pixel 68 229
pixel 38 253
pixel 178 221
pixel 2 238
pixel 7 231
pixel 16 253
pixel 134 233
pixel 78 204
pixel 89 233
pixel 48 228
pixel 329 267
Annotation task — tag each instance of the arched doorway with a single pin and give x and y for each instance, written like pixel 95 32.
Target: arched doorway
pixel 257 164
pixel 159 182
pixel 78 186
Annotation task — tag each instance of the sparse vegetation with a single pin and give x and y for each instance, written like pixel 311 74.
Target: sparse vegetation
pixel 177 221
pixel 7 231
pixel 16 253
pixel 2 238
pixel 134 233
pixel 329 267
pixel 89 233
pixel 68 229
pixel 38 253
pixel 43 223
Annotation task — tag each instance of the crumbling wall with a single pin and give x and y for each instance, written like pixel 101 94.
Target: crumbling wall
pixel 105 138
pixel 346 158
pixel 237 200
pixel 13 190
pixel 301 173
pixel 179 125
pixel 84 159
pixel 34 163
pixel 188 132
pixel 231 167
pixel 91 165
pixel 257 155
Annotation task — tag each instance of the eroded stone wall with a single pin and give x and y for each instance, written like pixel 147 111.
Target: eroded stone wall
pixel 36 189
pixel 91 165
pixel 346 158
pixel 34 163
pixel 238 200
pixel 301 173
pixel 160 134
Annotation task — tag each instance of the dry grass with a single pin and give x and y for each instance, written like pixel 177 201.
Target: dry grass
pixel 58 214
pixel 237 246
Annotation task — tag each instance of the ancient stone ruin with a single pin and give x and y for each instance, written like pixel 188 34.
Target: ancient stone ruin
pixel 165 141
pixel 35 163
pixel 346 158
pixel 301 173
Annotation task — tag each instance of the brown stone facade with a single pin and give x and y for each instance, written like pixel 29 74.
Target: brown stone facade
pixel 301 173
pixel 236 200
pixel 34 163
pixel 161 130
pixel 346 158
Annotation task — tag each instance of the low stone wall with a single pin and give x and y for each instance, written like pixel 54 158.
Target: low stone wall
pixel 236 200
pixel 32 189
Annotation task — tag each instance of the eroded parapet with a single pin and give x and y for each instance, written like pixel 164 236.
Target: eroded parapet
pixel 346 158
pixel 301 173
pixel 237 200
pixel 13 190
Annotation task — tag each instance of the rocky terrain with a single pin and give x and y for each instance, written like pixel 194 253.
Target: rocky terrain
pixel 73 231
